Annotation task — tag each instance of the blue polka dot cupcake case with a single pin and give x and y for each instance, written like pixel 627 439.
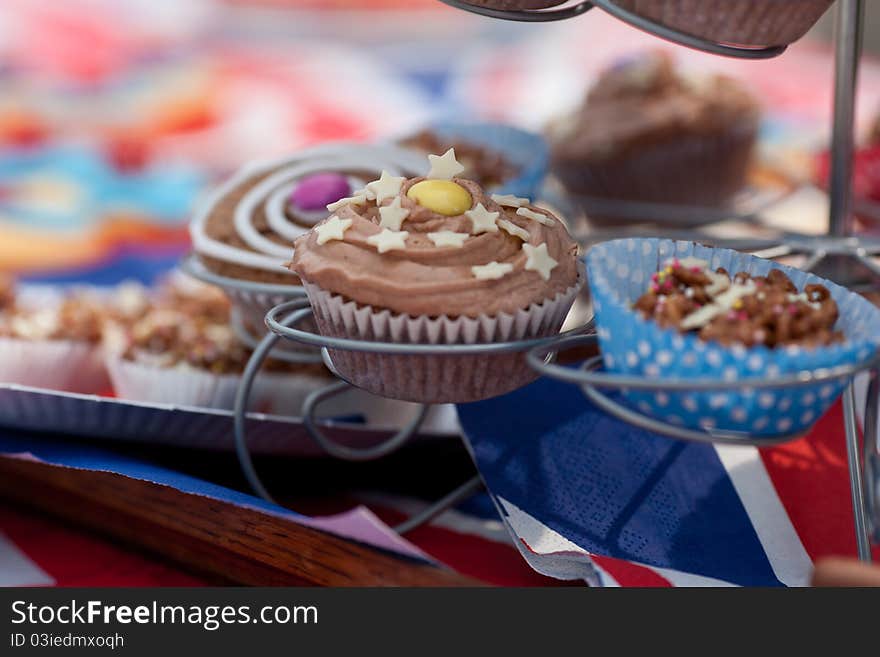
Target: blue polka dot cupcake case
pixel 620 271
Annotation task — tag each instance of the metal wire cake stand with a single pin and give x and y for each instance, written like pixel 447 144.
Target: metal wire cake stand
pixel 838 255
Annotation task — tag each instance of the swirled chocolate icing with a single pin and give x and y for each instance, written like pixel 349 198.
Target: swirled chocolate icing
pixel 425 279
pixel 643 100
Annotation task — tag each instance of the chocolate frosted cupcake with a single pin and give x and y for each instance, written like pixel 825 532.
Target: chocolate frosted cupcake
pixel 754 23
pixel 646 133
pixel 437 260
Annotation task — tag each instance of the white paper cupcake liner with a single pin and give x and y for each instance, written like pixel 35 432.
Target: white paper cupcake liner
pixel 272 392
pixel 619 273
pixel 435 379
pixel 66 365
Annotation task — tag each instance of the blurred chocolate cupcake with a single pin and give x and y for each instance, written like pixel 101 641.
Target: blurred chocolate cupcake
pixel 501 158
pixel 647 133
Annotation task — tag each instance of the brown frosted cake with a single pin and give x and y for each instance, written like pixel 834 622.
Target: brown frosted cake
pixel 437 259
pixel 647 133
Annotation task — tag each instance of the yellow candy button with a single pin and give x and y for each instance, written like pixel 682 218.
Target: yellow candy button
pixel 441 196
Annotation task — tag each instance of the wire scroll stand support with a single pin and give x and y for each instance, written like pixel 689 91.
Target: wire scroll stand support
pixel 298 311
pixel 838 245
pixel 839 255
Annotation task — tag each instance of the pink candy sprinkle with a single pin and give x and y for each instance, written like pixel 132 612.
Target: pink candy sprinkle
pixel 668 284
pixel 731 315
pixel 696 270
pixel 777 309
pixel 792 309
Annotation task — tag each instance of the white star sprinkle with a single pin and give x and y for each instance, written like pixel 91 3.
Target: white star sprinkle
pixel 539 260
pixel 537 216
pixel 510 201
pixel 363 191
pixel 388 240
pixel 492 271
pixel 448 238
pixel 356 199
pixel 392 215
pixel 387 186
pixel 514 230
pixel 332 229
pixel 444 167
pixel 483 221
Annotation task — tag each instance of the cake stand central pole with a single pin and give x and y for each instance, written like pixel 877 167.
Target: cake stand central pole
pixel 848 49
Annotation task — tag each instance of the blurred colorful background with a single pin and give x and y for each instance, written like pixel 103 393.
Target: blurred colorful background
pixel 116 116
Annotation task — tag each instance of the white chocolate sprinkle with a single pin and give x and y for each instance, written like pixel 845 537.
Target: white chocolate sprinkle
pixel 483 221
pixel 510 201
pixel 722 303
pixel 539 260
pixel 448 238
pixel 357 199
pixel 690 262
pixel 537 216
pixel 388 240
pixel 387 186
pixel 332 229
pixel 392 215
pixel 514 230
pixel 717 283
pixel 491 271
pixel 444 167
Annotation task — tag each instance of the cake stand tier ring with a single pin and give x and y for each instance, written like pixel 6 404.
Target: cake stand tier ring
pixel 344 452
pixel 261 352
pixel 300 312
pixel 591 380
pixel 247 336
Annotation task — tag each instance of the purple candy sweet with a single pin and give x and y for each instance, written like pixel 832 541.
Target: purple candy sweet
pixel 316 191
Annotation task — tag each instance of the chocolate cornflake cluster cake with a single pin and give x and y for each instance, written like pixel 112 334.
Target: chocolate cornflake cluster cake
pixel 187 325
pixel 485 166
pixel 749 310
pixel 78 318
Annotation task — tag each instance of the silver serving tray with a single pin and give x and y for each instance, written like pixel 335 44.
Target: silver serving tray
pixel 69 414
